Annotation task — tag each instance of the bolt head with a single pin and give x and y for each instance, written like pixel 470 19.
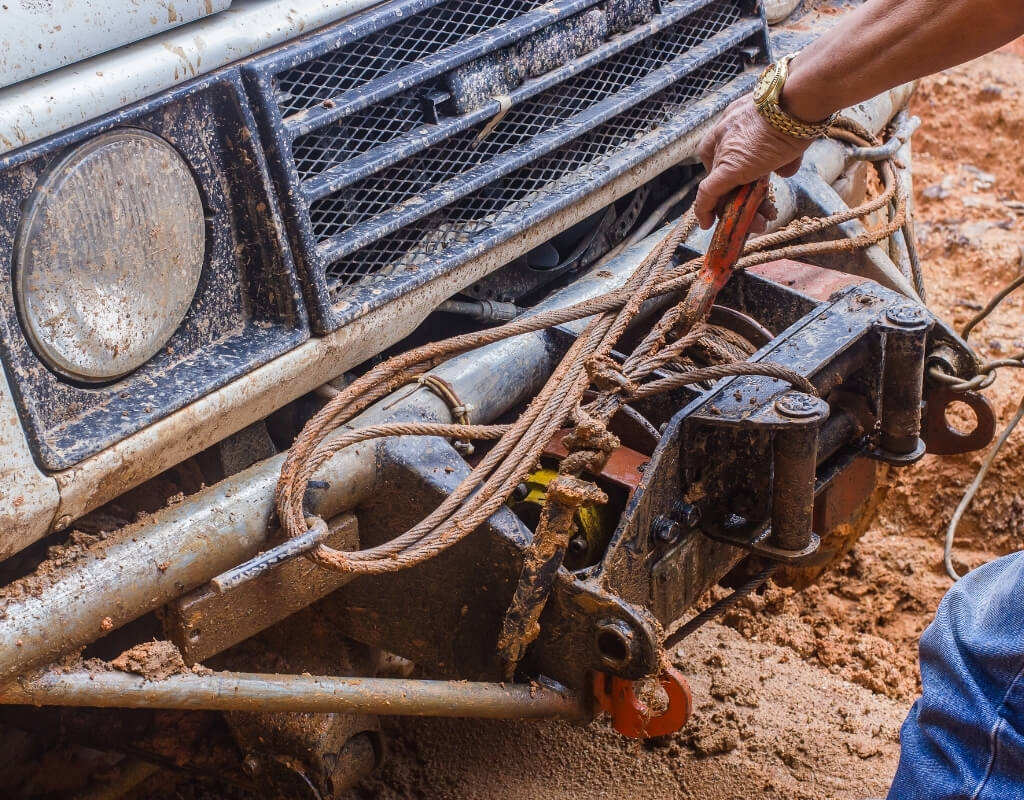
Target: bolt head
pixel 798 405
pixel 666 531
pixel 578 545
pixel 686 513
pixel 906 315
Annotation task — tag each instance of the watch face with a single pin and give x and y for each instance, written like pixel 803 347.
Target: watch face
pixel 764 84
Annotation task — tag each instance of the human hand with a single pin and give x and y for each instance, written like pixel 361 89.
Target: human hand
pixel 741 148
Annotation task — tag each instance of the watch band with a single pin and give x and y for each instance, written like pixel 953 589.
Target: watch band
pixel 769 107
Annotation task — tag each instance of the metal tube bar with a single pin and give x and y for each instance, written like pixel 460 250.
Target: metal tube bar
pixel 794 465
pixel 229 523
pixel 240 691
pixel 839 430
pixel 903 378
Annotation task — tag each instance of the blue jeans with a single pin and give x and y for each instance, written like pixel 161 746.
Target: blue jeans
pixel 964 737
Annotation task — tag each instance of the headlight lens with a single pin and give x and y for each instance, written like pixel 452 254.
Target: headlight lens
pixel 110 252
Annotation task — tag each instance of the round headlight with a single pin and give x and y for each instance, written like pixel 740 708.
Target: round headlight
pixel 110 252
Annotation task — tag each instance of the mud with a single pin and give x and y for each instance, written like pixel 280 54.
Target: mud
pixel 152 660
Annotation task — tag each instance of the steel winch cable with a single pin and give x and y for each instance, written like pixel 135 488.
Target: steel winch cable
pixel 989 369
pixel 750 586
pixel 587 366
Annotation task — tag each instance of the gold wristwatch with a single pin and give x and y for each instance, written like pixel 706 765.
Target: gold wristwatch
pixel 768 93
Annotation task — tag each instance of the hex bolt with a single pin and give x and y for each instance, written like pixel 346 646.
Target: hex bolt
pixel 666 530
pixel 686 513
pixel 578 545
pixel 906 315
pixel 798 405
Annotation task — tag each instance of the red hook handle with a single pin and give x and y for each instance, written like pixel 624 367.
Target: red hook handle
pixel 734 223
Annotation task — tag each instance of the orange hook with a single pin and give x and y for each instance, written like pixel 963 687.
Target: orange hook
pixel 631 717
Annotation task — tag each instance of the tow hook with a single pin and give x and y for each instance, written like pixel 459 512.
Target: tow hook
pixel 632 717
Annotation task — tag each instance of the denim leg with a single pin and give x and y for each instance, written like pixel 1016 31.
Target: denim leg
pixel 964 737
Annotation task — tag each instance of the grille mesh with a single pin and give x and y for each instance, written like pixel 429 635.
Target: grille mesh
pixel 380 53
pixel 479 211
pixel 370 197
pixel 401 114
pixel 379 167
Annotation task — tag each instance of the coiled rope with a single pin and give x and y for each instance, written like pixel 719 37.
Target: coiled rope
pixel 587 366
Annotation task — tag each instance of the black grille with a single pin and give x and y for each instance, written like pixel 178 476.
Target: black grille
pixel 387 186
pixel 383 52
pixel 367 198
pixel 479 211
pixel 357 134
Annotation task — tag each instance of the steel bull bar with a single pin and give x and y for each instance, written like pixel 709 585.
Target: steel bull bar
pixel 182 548
pixel 148 564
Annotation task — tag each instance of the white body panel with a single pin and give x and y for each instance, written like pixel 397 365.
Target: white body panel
pixel 37 36
pixel 48 104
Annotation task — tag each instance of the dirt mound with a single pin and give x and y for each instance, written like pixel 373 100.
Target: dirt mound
pixel 152 660
pixel 760 730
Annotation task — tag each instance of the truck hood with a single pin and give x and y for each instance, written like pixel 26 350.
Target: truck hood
pixel 42 105
pixel 37 36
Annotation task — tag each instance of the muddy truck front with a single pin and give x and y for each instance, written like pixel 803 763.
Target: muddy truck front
pixel 217 218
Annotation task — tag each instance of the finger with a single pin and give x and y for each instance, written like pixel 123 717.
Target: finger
pixel 767 210
pixel 790 169
pixel 760 224
pixel 711 190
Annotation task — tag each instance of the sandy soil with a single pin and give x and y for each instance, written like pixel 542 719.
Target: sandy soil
pixel 802 695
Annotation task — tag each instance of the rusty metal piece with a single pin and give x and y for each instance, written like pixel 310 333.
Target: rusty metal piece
pixel 843 512
pixel 726 247
pixel 816 282
pixel 305 756
pixel 903 380
pixel 207 621
pixel 945 440
pixel 566 495
pixel 633 718
pixel 245 691
pixel 624 466
pixel 794 465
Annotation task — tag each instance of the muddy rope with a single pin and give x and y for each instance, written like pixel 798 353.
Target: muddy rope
pixel 587 365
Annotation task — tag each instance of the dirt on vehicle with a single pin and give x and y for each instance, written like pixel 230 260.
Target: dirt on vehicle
pixel 802 695
pixel 797 695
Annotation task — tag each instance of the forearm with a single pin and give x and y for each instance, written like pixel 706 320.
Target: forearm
pixel 889 42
